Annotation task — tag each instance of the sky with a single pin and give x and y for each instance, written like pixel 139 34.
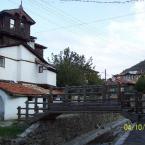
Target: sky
pixel 112 34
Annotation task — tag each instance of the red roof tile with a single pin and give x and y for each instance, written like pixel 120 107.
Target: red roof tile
pixel 18 89
pixel 57 91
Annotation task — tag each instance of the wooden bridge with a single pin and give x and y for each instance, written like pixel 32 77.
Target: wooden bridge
pixel 77 99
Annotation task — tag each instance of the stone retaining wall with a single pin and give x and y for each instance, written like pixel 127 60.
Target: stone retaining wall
pixel 64 129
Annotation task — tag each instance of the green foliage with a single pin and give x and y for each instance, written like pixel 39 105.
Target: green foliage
pixel 11 131
pixel 74 69
pixel 140 84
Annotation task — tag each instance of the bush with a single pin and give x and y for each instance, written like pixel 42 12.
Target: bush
pixel 140 84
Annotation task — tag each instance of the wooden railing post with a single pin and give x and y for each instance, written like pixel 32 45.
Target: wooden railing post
pixel 119 93
pixel 107 92
pixel 104 92
pixel 27 109
pixel 19 112
pixel 51 95
pixel 66 94
pixel 136 102
pixel 48 100
pixel 36 107
pixel 44 104
pixel 84 91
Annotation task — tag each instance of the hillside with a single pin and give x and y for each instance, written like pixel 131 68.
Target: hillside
pixel 140 67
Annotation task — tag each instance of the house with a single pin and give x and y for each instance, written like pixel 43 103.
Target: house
pixel 22 64
pixel 132 74
pixel 127 77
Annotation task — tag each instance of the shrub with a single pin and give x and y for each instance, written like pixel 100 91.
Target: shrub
pixel 140 84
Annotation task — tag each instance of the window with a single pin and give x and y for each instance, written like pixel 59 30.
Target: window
pixel 12 24
pixel 2 61
pixel 22 25
pixel 40 69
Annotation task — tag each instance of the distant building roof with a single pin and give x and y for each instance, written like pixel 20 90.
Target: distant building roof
pixel 139 67
pixel 128 73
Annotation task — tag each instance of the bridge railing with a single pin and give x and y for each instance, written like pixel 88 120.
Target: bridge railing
pixel 133 102
pixel 80 96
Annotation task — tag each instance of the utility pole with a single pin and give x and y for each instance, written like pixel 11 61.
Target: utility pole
pixel 105 76
pixel 105 88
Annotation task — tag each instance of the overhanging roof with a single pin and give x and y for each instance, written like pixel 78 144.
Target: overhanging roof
pixel 20 12
pixel 19 90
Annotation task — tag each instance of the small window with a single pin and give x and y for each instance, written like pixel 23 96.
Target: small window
pixel 12 24
pixel 2 62
pixel 22 25
pixel 40 69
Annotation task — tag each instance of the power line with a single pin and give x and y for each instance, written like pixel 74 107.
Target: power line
pixel 57 11
pixel 68 16
pixel 105 2
pixel 81 24
pixel 98 21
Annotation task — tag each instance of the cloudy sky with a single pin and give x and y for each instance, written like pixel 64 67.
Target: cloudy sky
pixel 113 34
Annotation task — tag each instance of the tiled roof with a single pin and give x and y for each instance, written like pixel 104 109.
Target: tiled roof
pixel 18 89
pixel 26 89
pixel 124 81
pixel 35 87
pixel 55 91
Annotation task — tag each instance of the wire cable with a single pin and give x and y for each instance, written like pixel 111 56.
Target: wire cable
pixel 105 2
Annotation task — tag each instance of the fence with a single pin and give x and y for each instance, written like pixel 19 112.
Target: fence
pixel 111 98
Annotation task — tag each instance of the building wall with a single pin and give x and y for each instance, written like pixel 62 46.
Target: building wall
pixel 51 77
pixel 10 70
pixel 25 69
pixel 10 105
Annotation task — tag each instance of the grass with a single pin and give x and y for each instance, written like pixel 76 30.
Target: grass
pixel 11 131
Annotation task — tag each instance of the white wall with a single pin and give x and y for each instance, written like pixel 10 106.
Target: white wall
pixel 47 76
pixel 10 105
pixel 23 70
pixel 51 77
pixel 10 70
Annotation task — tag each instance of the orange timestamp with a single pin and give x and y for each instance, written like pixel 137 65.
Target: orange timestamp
pixel 131 127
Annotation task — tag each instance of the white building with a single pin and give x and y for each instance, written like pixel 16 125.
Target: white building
pixel 21 62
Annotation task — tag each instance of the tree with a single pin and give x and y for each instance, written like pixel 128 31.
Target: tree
pixel 74 69
pixel 140 84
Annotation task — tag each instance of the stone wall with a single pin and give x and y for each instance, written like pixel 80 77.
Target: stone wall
pixel 66 128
